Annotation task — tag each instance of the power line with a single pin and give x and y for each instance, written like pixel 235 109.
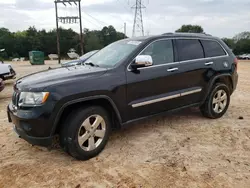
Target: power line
pixel 103 23
pixel 124 6
pixel 93 23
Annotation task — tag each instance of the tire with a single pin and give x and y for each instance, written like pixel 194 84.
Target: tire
pixel 214 106
pixel 82 128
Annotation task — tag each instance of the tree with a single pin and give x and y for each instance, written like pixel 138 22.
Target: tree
pixel 190 29
pixel 242 47
pixel 242 35
pixel 229 42
pixel 240 43
pixel 18 44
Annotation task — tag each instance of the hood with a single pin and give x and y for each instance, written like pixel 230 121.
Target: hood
pixel 66 75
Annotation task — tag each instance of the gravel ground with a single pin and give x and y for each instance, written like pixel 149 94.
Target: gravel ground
pixel 179 150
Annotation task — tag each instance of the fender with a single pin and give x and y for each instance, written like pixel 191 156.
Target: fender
pixel 211 83
pixel 84 100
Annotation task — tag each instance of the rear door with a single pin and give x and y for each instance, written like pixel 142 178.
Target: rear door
pixel 216 54
pixel 194 68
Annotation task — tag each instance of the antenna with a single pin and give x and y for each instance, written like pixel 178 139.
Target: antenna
pixel 138 21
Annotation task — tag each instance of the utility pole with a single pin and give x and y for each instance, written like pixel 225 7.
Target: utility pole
pixel 68 20
pixel 125 30
pixel 57 36
pixel 81 36
pixel 138 21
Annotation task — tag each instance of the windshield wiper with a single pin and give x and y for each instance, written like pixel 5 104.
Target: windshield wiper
pixel 91 64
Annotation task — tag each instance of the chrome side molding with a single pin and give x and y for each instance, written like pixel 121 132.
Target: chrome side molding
pixel 165 98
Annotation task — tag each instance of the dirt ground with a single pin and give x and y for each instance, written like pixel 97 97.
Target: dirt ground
pixel 179 150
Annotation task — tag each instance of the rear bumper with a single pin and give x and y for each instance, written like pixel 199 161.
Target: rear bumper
pixel 235 81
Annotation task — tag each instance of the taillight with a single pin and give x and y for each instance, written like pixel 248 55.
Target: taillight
pixel 236 63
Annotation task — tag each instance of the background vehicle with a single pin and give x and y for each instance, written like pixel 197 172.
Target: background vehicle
pixel 127 81
pixel 1 85
pixel 1 50
pixel 244 57
pixel 6 70
pixel 81 60
pixel 72 54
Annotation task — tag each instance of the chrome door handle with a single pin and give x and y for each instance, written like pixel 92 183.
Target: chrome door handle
pixel 172 69
pixel 209 63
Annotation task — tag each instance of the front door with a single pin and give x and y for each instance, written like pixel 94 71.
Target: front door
pixel 154 89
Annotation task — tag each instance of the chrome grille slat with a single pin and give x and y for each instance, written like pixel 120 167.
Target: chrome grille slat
pixel 15 98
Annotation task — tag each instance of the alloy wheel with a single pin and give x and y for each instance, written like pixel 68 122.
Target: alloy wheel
pixel 219 101
pixel 91 132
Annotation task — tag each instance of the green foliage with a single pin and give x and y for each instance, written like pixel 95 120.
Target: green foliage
pixel 242 47
pixel 190 29
pixel 240 43
pixel 242 35
pixel 18 44
pixel 229 42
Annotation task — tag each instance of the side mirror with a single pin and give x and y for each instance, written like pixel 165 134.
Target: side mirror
pixel 142 61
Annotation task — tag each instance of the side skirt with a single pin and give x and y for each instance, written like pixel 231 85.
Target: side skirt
pixel 161 113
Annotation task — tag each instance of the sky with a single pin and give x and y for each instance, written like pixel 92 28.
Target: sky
pixel 222 18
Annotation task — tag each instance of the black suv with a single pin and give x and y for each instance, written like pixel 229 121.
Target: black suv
pixel 126 81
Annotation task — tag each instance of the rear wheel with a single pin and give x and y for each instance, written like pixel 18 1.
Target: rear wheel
pixel 86 132
pixel 217 102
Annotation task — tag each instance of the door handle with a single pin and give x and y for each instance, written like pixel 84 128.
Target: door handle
pixel 209 63
pixel 172 69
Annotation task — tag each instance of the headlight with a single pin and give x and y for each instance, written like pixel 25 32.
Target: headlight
pixel 29 99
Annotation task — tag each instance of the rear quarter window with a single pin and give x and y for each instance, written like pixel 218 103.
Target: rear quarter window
pixel 212 48
pixel 189 49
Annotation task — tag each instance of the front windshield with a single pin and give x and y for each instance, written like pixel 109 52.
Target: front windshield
pixel 87 55
pixel 113 53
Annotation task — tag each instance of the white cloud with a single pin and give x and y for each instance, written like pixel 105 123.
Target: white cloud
pixel 223 18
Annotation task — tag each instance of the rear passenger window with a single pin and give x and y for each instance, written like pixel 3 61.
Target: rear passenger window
pixel 212 48
pixel 189 49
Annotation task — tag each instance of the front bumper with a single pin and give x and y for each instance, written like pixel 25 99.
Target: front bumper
pixel 46 141
pixel 10 76
pixel 29 129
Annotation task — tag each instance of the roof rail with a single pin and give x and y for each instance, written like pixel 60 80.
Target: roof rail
pixel 187 33
pixel 194 33
pixel 168 33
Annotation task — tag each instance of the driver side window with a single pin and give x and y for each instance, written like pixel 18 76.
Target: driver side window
pixel 161 52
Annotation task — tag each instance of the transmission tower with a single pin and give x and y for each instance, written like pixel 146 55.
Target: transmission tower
pixel 138 21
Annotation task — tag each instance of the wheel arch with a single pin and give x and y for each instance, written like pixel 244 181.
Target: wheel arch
pixel 222 78
pixel 102 100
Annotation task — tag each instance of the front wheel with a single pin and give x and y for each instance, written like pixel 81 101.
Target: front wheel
pixel 217 102
pixel 86 132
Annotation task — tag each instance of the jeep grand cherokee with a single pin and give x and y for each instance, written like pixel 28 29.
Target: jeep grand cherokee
pixel 126 81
